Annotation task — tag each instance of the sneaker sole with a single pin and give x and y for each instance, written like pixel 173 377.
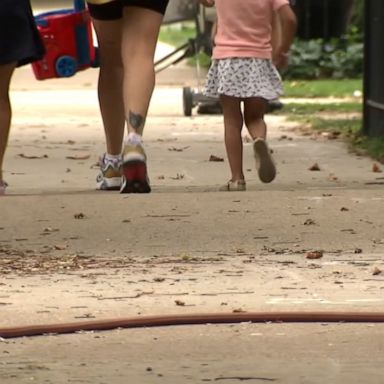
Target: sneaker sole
pixel 267 169
pixel 110 184
pixel 135 177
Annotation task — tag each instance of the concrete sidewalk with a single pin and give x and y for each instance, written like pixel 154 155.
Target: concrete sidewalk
pixel 69 252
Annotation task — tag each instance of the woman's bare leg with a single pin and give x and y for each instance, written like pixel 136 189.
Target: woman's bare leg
pixel 233 123
pixel 6 72
pixel 140 33
pixel 141 28
pixel 110 85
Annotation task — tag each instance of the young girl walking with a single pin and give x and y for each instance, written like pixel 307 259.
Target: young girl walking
pixel 243 75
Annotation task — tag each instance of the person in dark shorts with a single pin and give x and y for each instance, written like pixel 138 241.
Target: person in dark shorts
pixel 127 33
pixel 20 44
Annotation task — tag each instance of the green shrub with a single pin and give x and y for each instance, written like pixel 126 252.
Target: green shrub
pixel 319 58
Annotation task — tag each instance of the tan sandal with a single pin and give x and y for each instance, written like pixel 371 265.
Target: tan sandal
pixel 234 186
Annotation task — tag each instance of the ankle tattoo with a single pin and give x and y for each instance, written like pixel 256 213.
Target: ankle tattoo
pixel 136 121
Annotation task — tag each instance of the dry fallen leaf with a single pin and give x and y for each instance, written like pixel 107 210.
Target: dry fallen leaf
pixel 314 167
pixel 79 157
pixel 49 229
pixel 60 247
pixel 330 135
pixel 174 149
pixel 376 168
pixel 313 255
pixel 179 176
pixel 332 177
pixel 32 156
pixel 215 158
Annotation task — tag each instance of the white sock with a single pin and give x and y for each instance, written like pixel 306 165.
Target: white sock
pixel 134 138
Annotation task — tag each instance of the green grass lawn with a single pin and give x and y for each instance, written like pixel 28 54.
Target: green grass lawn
pixel 347 127
pixel 342 118
pixel 344 88
pixel 306 109
pixel 350 129
pixel 177 34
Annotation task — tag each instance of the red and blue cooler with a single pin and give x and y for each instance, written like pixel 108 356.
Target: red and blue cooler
pixel 67 36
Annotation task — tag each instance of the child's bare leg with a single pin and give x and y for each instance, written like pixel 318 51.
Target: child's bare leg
pixel 233 123
pixel 254 110
pixel 6 72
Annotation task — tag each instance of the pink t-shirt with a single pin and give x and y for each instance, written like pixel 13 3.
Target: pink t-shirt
pixel 244 28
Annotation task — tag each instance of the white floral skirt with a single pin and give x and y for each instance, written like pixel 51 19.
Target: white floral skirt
pixel 243 77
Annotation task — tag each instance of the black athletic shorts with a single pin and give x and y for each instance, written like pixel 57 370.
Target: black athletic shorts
pixel 20 40
pixel 114 9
